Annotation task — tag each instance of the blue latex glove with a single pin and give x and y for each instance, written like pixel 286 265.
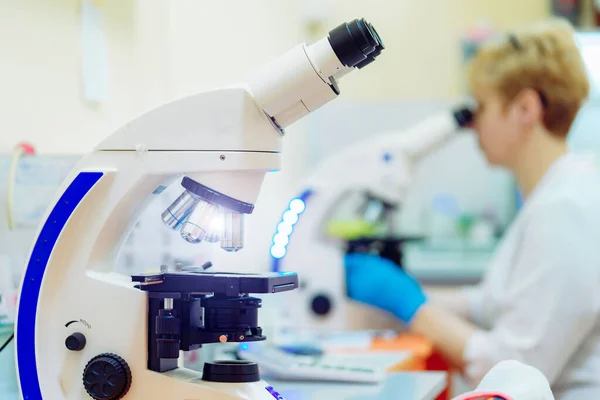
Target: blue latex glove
pixel 378 282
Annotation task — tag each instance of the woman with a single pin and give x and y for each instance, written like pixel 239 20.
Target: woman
pixel 539 302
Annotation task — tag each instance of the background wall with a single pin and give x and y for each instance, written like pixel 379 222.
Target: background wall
pixel 40 74
pixel 158 50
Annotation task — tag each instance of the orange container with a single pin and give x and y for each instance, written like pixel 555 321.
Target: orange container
pixel 423 356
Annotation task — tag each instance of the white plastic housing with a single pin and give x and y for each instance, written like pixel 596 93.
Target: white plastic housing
pixel 324 59
pixel 226 119
pixel 296 83
pixel 384 165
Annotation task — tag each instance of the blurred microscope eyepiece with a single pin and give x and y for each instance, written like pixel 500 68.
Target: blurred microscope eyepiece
pixel 464 115
pixel 356 43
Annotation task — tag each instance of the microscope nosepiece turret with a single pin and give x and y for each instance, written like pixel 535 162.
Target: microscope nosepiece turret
pixel 202 214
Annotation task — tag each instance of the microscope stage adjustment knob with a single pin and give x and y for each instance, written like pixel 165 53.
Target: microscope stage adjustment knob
pixel 75 342
pixel 107 377
pixel 321 305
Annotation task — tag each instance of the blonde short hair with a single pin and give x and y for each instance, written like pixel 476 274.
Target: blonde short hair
pixel 543 57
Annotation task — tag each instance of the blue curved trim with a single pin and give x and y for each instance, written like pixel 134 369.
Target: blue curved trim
pixel 276 262
pixel 34 274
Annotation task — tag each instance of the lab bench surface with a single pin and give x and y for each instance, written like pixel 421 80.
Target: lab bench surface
pixel 400 385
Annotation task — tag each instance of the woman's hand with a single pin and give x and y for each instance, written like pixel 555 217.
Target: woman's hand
pixel 381 283
pixel 378 282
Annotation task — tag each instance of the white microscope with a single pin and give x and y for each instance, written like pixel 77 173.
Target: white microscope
pixel 84 331
pixel 369 180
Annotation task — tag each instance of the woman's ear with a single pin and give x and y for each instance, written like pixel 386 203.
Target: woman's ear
pixel 528 108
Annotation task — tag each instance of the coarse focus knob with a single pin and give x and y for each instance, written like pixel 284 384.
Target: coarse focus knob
pixel 107 377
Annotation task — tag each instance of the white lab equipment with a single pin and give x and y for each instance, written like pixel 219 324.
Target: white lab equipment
pixel 80 327
pixel 282 365
pixel 378 172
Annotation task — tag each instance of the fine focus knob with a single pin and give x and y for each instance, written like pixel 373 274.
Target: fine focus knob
pixel 168 348
pixel 107 377
pixel 75 342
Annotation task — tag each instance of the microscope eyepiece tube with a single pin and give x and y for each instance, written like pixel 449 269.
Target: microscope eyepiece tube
pixel 306 77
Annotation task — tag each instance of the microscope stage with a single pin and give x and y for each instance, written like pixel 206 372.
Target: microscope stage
pixel 229 284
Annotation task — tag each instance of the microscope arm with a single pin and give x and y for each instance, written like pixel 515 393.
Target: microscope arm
pixel 432 133
pixel 385 164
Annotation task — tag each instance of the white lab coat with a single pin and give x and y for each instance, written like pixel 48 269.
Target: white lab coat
pixel 512 379
pixel 539 302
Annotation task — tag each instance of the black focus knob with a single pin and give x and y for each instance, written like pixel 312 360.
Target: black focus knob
pixel 321 305
pixel 75 342
pixel 167 323
pixel 107 377
pixel 168 348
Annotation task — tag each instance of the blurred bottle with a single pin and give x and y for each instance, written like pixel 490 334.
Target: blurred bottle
pixel 474 36
pixel 568 9
pixel 443 218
